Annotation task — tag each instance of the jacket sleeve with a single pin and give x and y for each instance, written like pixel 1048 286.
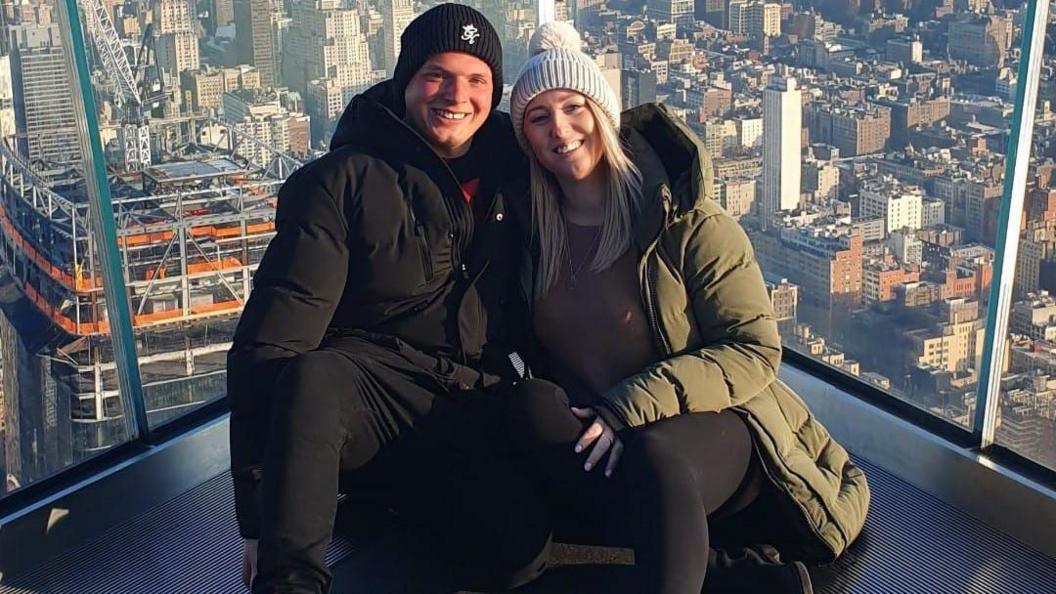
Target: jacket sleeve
pixel 741 346
pixel 297 287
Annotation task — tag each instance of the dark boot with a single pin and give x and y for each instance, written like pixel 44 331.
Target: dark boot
pixel 754 570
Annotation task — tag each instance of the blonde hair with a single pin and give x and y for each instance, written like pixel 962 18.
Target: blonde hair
pixel 624 189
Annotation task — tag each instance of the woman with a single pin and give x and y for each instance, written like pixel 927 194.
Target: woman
pixel 669 422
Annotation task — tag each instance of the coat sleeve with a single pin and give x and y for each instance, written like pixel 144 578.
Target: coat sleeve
pixel 296 290
pixel 741 346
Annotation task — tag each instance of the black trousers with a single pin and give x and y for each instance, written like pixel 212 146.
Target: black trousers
pixel 673 476
pixel 354 414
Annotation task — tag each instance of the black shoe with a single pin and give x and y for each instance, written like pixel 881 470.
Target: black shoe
pixel 749 577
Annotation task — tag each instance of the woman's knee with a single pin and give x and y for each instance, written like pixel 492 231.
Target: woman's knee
pixel 652 451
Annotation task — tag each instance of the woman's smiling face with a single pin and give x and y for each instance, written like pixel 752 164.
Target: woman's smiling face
pixel 563 134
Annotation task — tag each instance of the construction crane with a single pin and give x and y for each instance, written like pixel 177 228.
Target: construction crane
pixel 133 134
pixel 152 90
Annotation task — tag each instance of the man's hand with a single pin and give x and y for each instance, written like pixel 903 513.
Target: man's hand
pixel 602 437
pixel 249 561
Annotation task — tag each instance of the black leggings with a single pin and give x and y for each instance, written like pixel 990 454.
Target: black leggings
pixel 673 474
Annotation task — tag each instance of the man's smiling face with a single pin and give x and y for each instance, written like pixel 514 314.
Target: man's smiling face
pixel 448 100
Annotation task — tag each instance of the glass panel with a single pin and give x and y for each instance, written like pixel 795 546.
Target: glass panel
pixel 205 110
pixel 60 401
pixel 1026 411
pixel 196 148
pixel 867 167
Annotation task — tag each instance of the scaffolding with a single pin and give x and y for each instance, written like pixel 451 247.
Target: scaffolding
pixel 190 234
pixel 187 254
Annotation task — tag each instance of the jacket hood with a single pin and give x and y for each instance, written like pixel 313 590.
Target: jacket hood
pixel 373 120
pixel 670 157
pixel 685 161
pixel 368 110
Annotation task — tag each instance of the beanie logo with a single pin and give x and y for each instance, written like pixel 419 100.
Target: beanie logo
pixel 470 34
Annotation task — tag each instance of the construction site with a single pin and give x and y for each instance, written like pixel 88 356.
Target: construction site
pixel 194 208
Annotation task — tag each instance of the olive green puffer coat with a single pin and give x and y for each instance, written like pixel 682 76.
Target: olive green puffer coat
pixel 711 316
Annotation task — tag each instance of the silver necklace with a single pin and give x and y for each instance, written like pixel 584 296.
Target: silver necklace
pixel 573 270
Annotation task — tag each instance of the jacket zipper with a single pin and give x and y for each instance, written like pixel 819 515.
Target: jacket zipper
pixel 423 251
pixel 649 281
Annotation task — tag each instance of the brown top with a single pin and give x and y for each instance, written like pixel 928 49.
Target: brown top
pixel 595 328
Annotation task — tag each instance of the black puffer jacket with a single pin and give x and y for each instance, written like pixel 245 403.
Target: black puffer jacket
pixel 374 236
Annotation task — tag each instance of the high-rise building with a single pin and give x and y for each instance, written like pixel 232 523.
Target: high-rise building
pixel 639 86
pixel 372 26
pixel 46 123
pixel 755 17
pixel 8 127
pixel 750 132
pixel 881 278
pixel 396 15
pixel 784 300
pixel 981 40
pixel 611 65
pixel 177 52
pixel 713 12
pixel 897 204
pixel 561 11
pixel 679 12
pixel 259 114
pixel 737 196
pixel 909 112
pixel 255 41
pixel 222 13
pixel 516 21
pixel 206 86
pixel 584 10
pixel 720 137
pixel 858 130
pixel 825 260
pixel 172 16
pixel 821 179
pixel 955 343
pixel 328 61
pixel 972 203
pixel 782 129
pixel 905 50
pixel 766 21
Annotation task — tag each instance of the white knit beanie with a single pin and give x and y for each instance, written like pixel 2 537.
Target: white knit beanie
pixel 558 62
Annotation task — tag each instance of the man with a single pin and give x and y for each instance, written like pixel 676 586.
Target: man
pixel 366 351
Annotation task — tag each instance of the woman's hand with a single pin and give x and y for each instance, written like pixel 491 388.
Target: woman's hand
pixel 601 436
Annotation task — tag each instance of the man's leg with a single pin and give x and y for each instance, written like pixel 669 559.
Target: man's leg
pixel 454 476
pixel 365 413
pixel 320 397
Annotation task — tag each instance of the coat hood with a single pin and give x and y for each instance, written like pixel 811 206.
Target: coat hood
pixel 675 167
pixel 683 159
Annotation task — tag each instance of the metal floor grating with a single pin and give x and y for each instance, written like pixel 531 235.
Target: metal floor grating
pixel 913 544
pixel 189 545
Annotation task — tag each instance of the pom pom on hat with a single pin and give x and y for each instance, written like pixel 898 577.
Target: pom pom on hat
pixel 555 35
pixel 558 62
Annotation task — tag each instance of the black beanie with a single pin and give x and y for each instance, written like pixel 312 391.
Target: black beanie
pixel 447 28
